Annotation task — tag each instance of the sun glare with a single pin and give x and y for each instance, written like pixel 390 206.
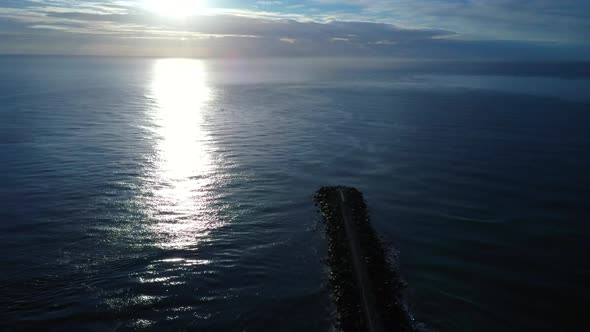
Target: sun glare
pixel 184 166
pixel 175 8
pixel 181 91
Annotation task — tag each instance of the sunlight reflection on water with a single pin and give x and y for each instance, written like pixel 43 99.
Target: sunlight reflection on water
pixel 182 165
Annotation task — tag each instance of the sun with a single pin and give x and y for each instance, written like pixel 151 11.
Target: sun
pixel 175 8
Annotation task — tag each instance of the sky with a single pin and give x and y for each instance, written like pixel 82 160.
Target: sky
pixel 426 29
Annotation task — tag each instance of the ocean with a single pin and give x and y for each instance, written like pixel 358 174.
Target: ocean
pixel 141 194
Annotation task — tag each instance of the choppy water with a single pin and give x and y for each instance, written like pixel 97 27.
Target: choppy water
pixel 145 194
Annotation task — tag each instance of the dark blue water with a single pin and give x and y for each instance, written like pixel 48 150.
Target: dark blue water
pixel 144 194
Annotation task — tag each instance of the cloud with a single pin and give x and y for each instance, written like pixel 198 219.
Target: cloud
pixel 268 3
pixel 274 31
pixel 124 28
pixel 539 20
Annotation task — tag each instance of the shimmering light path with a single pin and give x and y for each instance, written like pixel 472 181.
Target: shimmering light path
pixel 182 163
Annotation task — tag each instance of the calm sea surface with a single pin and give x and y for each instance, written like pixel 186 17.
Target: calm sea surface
pixel 171 194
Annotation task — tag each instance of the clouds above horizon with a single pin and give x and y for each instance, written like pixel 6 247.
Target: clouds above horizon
pixel 426 29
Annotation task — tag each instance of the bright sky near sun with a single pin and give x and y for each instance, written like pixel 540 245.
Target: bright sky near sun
pixel 176 8
pixel 418 28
